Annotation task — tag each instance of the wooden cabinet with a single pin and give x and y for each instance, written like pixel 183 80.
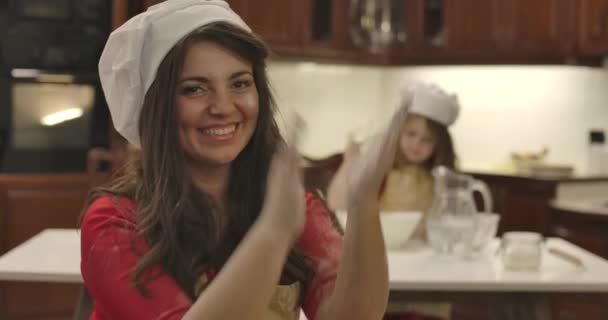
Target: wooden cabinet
pixel 522 202
pixel 586 229
pixel 509 30
pixel 438 31
pixel 469 31
pixel 593 27
pixel 474 26
pixel 28 205
pixel 36 202
pixel 578 306
pixel 542 26
pixel 529 204
pixel 284 24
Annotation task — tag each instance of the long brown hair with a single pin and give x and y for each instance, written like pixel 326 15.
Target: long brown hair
pixel 177 220
pixel 443 151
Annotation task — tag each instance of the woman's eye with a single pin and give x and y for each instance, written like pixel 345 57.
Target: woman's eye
pixel 192 90
pixel 242 84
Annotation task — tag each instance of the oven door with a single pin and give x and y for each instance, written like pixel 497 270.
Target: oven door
pixel 53 118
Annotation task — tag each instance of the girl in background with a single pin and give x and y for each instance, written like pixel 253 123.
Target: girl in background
pixel 424 144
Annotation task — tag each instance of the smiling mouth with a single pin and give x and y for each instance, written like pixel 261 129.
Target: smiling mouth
pixel 220 132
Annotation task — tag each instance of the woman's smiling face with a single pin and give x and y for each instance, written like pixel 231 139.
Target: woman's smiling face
pixel 217 104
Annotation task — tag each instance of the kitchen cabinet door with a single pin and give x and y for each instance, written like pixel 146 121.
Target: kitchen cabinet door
pixel 341 43
pixel 584 229
pixel 593 27
pixel 572 306
pixel 475 26
pixel 522 201
pixel 510 28
pixel 541 26
pixel 283 24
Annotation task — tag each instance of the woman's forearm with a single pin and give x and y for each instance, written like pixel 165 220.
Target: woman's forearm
pixel 244 287
pixel 336 190
pixel 361 290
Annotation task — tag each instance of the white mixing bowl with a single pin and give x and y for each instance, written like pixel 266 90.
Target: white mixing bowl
pixel 397 226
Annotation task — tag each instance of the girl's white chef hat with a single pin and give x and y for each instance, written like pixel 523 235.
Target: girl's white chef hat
pixel 134 51
pixel 430 101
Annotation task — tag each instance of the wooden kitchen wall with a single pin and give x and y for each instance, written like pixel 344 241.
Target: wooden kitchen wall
pixel 28 205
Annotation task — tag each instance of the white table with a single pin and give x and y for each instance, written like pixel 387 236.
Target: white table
pixel 54 256
pixel 424 270
pixel 484 284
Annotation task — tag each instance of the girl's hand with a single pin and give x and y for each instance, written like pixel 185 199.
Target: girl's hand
pixel 371 167
pixel 284 204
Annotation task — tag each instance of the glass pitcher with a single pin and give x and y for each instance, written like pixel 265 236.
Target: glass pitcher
pixel 451 221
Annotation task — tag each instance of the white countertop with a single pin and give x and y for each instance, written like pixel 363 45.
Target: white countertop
pixel 424 270
pixel 54 256
pixel 584 206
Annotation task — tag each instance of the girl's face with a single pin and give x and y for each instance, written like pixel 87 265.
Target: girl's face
pixel 417 142
pixel 217 104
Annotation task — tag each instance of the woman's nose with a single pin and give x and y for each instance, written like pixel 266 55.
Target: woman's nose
pixel 222 103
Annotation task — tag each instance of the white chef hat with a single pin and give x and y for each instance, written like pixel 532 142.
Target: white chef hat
pixel 134 51
pixel 430 101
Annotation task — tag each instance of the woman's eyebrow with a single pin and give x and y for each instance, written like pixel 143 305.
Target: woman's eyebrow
pixel 240 73
pixel 194 78
pixel 206 80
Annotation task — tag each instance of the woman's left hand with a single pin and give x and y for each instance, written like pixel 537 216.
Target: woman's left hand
pixel 373 163
pixel 284 204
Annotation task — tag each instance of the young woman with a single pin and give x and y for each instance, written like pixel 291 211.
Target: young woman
pixel 210 220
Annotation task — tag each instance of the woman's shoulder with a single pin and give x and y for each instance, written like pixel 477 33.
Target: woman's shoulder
pixel 112 209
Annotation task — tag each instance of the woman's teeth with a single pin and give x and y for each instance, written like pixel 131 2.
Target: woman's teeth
pixel 220 131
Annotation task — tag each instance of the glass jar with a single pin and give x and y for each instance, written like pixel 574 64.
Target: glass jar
pixel 522 250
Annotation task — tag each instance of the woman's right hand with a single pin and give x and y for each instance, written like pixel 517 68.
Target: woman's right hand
pixel 353 149
pixel 284 204
pixel 371 167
